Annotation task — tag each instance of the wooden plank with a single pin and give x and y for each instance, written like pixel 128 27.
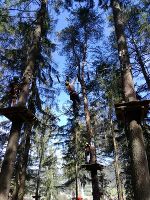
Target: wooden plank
pixel 36 196
pixel 138 108
pixel 17 113
pixel 134 103
pixel 91 167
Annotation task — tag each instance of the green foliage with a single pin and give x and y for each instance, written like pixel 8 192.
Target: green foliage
pixel 78 35
pixel 82 44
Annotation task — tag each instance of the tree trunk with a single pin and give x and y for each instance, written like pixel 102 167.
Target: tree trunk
pixel 76 171
pixel 116 154
pixel 139 58
pixel 39 169
pixel 117 169
pixel 15 189
pixel 76 155
pixel 83 87
pixel 139 162
pixel 24 154
pixel 87 113
pixel 23 164
pixel 140 61
pixel 95 185
pixel 33 54
pixel 9 160
pixel 38 177
pixel 140 172
pixel 128 86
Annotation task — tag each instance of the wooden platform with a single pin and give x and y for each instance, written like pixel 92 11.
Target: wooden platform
pixel 92 167
pixel 36 197
pixel 18 113
pixel 132 110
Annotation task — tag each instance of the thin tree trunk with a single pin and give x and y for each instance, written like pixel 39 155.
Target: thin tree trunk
pixel 37 187
pixel 76 171
pixel 17 170
pixel 95 185
pixel 15 189
pixel 76 157
pixel 116 154
pixel 83 87
pixel 39 168
pixel 9 160
pixel 38 174
pixel 139 59
pixel 140 172
pixel 87 113
pixel 23 164
pixel 117 169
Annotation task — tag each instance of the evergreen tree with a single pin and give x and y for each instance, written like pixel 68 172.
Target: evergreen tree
pixel 7 167
pixel 134 129
pixel 78 38
pixel 137 43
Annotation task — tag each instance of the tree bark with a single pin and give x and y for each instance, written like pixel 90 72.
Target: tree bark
pixel 22 166
pixel 139 58
pixel 24 163
pixel 117 169
pixel 128 86
pixel 76 156
pixel 76 171
pixel 33 54
pixel 19 191
pixel 140 172
pixel 39 171
pixel 139 162
pixel 95 184
pixel 9 160
pixel 15 189
pixel 86 111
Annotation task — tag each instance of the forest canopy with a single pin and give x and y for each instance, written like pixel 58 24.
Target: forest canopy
pixel 74 99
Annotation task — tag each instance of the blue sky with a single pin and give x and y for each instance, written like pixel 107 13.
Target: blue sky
pixel 63 98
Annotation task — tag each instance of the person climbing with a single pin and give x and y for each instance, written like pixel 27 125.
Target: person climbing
pixel 14 90
pixel 73 95
pixel 90 154
pixel 87 153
